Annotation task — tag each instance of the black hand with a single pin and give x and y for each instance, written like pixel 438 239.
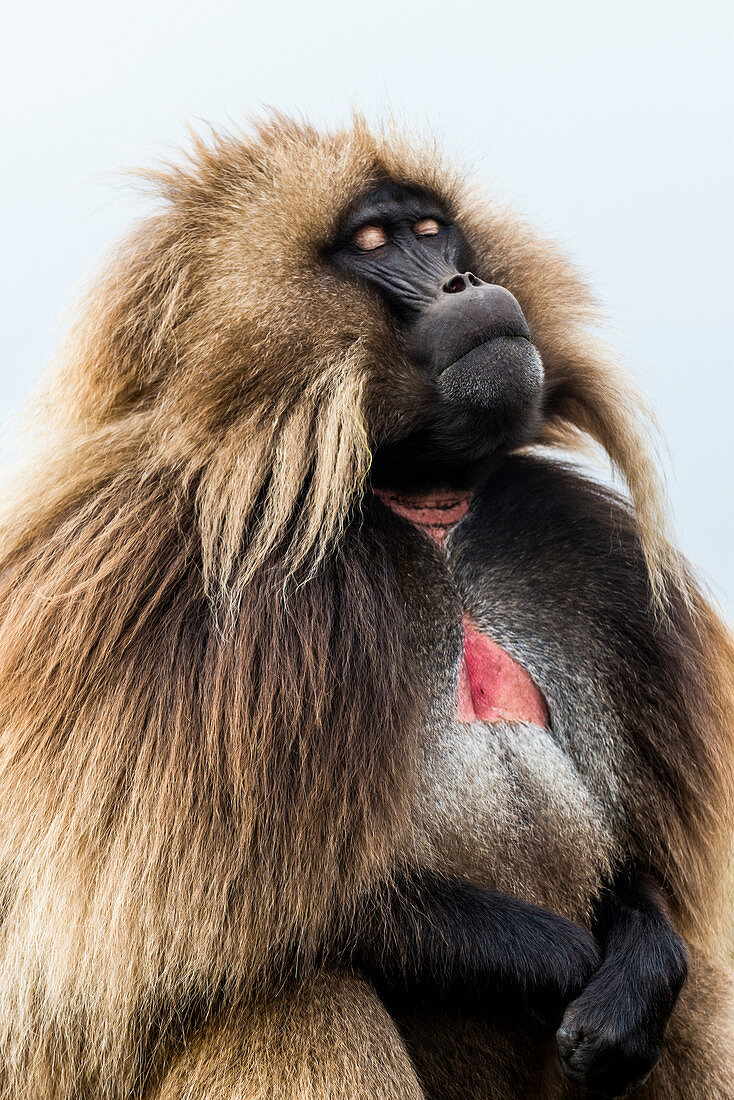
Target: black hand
pixel 611 1035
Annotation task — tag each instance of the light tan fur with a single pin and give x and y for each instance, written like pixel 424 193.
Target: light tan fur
pixel 331 1038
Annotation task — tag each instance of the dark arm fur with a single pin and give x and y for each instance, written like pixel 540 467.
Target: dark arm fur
pixel 450 940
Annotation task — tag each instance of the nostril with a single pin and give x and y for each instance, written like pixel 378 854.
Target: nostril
pixel 455 285
pixel 473 279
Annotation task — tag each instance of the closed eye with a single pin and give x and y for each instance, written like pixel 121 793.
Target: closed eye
pixel 426 227
pixel 369 237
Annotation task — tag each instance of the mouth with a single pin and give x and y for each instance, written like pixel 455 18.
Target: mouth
pixel 483 343
pixel 496 373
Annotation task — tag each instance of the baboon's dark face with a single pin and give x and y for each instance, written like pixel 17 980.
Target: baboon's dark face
pixel 469 337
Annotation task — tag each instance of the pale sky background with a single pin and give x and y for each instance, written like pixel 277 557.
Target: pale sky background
pixel 609 125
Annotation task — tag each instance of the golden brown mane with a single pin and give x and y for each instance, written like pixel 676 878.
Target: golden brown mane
pixel 175 348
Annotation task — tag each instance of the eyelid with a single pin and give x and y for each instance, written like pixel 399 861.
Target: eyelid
pixel 427 220
pixel 376 229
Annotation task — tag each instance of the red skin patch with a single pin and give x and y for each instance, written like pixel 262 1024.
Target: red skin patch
pixel 492 687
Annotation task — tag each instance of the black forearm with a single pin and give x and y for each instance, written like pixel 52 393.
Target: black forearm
pixel 440 937
pixel 643 954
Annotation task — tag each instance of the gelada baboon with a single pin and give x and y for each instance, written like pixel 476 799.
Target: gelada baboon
pixel 352 745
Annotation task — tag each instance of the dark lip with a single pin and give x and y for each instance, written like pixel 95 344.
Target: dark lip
pixel 482 344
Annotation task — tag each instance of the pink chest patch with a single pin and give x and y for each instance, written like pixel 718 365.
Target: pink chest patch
pixel 492 687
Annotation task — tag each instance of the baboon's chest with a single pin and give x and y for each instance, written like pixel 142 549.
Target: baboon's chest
pixel 499 802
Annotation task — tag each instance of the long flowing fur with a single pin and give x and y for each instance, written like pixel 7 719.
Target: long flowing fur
pixel 207 696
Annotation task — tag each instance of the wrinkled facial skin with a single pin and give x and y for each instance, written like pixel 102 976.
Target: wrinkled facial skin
pixel 468 337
